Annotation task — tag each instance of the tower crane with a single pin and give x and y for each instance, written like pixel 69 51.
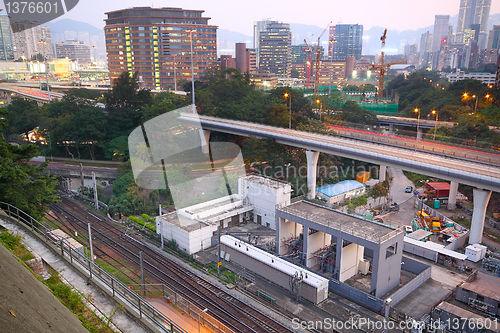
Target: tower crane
pixel 318 58
pixel 383 67
pixel 308 49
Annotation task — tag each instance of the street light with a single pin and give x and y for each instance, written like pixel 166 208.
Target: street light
pixel 331 65
pixel 318 101
pixel 199 315
pixel 290 103
pixel 475 107
pixel 418 123
pixel 175 76
pixel 47 67
pixel 192 66
pixel 435 124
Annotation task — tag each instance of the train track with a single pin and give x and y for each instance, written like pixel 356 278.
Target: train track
pixel 234 313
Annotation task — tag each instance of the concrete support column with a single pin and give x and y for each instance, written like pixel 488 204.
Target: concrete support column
pixel 338 257
pixel 481 199
pixel 391 127
pixel 381 173
pixel 9 97
pixel 305 245
pixel 205 138
pixel 375 264
pixel 452 200
pixel 312 165
pixel 419 134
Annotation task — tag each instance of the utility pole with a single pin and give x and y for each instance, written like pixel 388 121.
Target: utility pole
pixel 218 250
pixel 143 280
pixel 161 227
pixel 96 200
pixel 81 177
pixel 90 244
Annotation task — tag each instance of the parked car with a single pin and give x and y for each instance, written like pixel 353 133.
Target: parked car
pixel 409 189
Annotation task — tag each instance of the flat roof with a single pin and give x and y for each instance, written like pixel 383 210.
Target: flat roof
pixel 439 248
pixel 481 290
pixel 356 226
pixel 462 313
pixel 439 185
pixel 339 188
pixel 182 222
pixel 275 262
pixel 419 234
pixel 268 182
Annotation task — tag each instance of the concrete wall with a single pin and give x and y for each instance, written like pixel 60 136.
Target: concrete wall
pixel 386 275
pixel 421 251
pixel 352 254
pixel 288 229
pixel 423 272
pixel 191 242
pixel 369 301
pixel 316 241
pixel 265 198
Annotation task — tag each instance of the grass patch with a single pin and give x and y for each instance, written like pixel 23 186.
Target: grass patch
pixel 14 242
pixel 416 178
pixel 463 221
pixel 115 272
pixel 75 302
pixel 226 275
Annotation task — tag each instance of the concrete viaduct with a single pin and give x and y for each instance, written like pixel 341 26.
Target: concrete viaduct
pixel 483 176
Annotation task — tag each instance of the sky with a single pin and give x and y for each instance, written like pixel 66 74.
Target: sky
pixel 239 15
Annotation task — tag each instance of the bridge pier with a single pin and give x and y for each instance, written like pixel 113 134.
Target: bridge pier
pixel 381 173
pixel 419 134
pixel 452 199
pixel 8 95
pixel 481 199
pixel 205 138
pixel 391 127
pixel 312 165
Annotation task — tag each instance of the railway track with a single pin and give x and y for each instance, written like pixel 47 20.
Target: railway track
pixel 234 313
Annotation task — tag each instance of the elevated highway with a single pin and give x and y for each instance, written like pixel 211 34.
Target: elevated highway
pixel 480 170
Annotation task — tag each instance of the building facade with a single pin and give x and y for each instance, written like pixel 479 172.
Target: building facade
pixel 73 49
pixel 147 40
pixel 348 41
pixel 6 50
pixel 473 12
pixel 275 49
pixel 441 31
pixel 30 42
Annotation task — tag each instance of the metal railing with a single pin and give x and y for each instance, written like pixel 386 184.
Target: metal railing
pixel 122 293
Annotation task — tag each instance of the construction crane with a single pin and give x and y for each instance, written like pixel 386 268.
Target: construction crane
pixel 383 67
pixel 309 49
pixel 318 58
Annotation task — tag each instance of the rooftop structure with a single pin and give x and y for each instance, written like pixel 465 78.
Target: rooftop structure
pixel 340 193
pixel 317 226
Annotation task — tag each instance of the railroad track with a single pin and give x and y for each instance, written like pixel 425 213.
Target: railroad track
pixel 234 313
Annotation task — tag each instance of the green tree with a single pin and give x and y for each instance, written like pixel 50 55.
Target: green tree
pixel 23 116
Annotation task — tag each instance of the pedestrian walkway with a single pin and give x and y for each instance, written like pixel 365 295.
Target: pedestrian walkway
pixel 180 318
pixel 109 307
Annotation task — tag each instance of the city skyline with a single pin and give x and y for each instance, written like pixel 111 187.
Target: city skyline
pixel 390 13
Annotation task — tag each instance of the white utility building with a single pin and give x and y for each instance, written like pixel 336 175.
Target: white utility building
pixel 193 227
pixel 341 192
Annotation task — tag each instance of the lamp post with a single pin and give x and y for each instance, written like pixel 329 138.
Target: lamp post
pixel 199 315
pixel 192 67
pixel 318 101
pixel 331 65
pixel 287 95
pixel 418 123
pixel 434 112
pixel 175 76
pixel 475 106
pixel 46 68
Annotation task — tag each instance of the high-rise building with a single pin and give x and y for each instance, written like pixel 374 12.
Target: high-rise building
pixel 259 26
pixel 441 29
pixel 245 58
pixel 74 50
pixel 275 49
pixel 6 50
pixel 155 41
pixel 425 50
pixel 473 12
pixel 348 41
pixel 494 38
pixel 29 42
